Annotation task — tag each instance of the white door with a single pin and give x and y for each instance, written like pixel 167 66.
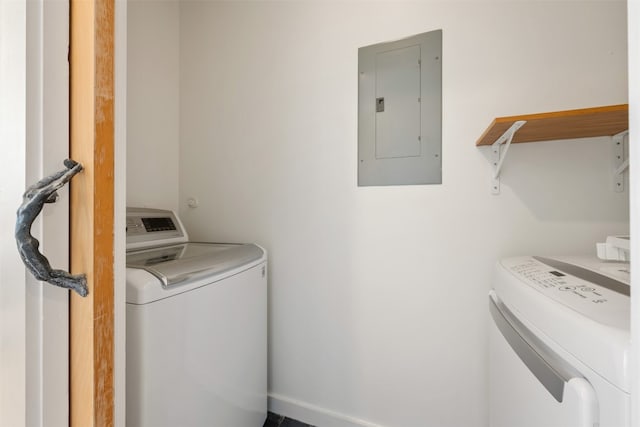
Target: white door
pixel 34 141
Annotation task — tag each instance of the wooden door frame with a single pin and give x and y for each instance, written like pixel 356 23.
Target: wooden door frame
pixel 92 212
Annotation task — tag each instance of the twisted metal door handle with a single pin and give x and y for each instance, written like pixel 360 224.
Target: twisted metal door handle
pixel 33 200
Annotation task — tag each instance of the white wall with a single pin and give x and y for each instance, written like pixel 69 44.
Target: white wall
pixel 153 99
pixel 634 154
pixel 13 125
pixel 120 200
pixel 378 307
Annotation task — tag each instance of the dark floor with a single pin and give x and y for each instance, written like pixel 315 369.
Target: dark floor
pixel 275 420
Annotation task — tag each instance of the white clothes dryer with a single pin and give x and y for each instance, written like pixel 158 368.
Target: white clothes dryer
pixel 559 343
pixel 196 327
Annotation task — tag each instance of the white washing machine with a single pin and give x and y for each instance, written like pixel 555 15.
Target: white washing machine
pixel 559 343
pixel 196 328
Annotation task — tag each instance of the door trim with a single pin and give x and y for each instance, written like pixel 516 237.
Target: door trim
pixel 92 212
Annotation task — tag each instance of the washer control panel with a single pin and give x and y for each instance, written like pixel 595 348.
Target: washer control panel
pixel 153 227
pixel 599 290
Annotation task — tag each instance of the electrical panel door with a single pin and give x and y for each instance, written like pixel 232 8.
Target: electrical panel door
pixel 398 93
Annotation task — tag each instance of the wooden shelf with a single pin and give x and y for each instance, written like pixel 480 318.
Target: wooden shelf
pixel 570 124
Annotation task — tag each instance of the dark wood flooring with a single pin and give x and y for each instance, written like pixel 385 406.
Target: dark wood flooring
pixel 276 420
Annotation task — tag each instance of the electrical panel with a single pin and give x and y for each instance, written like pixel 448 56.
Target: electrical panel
pixel 400 111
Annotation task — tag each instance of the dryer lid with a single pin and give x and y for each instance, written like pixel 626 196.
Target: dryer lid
pixel 179 263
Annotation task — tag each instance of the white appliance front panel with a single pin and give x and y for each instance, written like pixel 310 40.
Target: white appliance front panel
pixel 199 358
pixel 596 333
pixel 517 398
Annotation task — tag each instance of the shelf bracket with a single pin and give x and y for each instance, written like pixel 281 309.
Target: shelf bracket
pixel 499 155
pixel 619 162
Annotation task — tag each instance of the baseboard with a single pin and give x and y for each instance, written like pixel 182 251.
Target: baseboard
pixel 311 414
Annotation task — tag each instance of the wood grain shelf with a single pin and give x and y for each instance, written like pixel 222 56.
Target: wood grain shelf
pixel 571 124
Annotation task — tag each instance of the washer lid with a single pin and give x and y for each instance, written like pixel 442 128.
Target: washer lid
pixel 177 264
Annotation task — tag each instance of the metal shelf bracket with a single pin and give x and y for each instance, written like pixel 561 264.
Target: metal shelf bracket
pixel 620 164
pixel 499 155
